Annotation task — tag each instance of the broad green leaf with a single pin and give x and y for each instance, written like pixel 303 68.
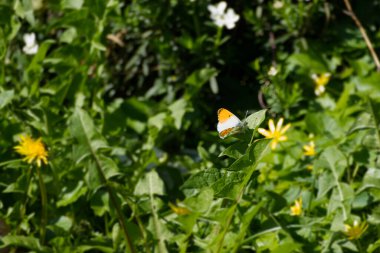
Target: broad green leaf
pixel 6 97
pixel 241 164
pixel 310 62
pixel 254 120
pixel 202 179
pixel 27 242
pixel 100 203
pixel 198 78
pixel 83 129
pixel 178 110
pixel 368 85
pixel 69 196
pixel 72 4
pixel 202 201
pixel 258 150
pixel 150 184
pixel 68 36
pixel 325 184
pixel 235 151
pixel 371 179
pixel 65 223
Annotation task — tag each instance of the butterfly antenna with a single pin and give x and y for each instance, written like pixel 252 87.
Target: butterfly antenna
pixel 246 114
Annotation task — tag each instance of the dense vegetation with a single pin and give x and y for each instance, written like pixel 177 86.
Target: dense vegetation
pixel 109 114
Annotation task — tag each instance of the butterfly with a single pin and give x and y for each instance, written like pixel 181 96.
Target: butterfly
pixel 228 123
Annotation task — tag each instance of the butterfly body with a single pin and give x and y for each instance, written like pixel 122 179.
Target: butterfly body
pixel 228 123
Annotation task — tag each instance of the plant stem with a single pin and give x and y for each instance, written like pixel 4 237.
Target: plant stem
pixel 23 205
pixel 351 13
pixel 114 201
pixel 44 206
pixel 218 37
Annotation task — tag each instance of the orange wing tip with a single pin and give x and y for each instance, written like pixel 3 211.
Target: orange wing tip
pixel 224 114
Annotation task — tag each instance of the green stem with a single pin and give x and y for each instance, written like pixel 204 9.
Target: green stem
pixel 44 206
pixel 114 201
pixel 23 205
pixel 360 248
pixel 218 37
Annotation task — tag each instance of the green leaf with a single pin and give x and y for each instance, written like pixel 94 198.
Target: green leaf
pixel 246 220
pixel 202 179
pixel 371 179
pixel 100 203
pixel 68 36
pixel 258 150
pixel 6 97
pixel 198 78
pixel 72 4
pixel 325 184
pixel 178 110
pixel 312 63
pixel 83 129
pixel 150 184
pixel 28 242
pixel 202 201
pixel 240 164
pixel 71 195
pixel 255 119
pixel 235 151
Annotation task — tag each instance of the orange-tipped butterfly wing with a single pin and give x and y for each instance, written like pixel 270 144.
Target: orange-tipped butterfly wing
pixel 227 123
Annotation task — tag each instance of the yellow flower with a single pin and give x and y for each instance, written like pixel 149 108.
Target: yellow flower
pixel 309 167
pixel 277 133
pixel 320 82
pixel 32 150
pixel 309 150
pixel 356 230
pixel 179 209
pixel 296 209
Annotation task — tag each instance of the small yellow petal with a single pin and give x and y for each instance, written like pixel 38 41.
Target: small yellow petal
pixel 285 128
pixel 279 124
pixel 273 144
pixel 272 128
pixel 264 132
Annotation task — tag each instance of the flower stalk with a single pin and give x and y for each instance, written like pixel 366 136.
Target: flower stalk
pixel 43 204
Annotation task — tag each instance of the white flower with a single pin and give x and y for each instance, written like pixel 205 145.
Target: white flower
pixel 222 18
pixel 217 13
pixel 31 46
pixel 230 18
pixel 272 71
pixel 278 4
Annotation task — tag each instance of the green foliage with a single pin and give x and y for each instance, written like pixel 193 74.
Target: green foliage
pixel 124 96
